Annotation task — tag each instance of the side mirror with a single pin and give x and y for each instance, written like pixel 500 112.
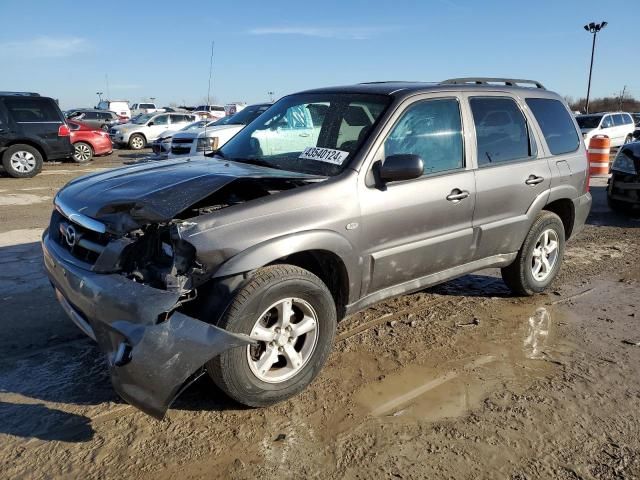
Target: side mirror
pixel 150 124
pixel 401 167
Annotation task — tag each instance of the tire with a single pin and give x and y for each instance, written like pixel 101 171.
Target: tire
pixel 105 127
pixel 137 142
pixel 618 206
pixel 628 139
pixel 238 371
pixel 520 276
pixel 83 152
pixel 22 161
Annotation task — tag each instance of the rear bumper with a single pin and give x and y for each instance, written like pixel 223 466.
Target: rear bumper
pixel 151 358
pixel 581 207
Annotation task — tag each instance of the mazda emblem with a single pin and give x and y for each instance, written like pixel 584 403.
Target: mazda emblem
pixel 70 236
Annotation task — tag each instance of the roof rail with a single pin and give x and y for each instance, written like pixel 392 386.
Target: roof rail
pixel 510 82
pixel 21 94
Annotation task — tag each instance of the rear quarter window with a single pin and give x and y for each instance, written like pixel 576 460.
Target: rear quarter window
pixel 556 125
pixel 31 110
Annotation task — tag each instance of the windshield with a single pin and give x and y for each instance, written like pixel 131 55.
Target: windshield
pixel 142 119
pixel 195 125
pixel 588 121
pixel 244 116
pixel 308 133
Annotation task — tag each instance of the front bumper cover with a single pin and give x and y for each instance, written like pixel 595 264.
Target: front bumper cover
pixel 151 358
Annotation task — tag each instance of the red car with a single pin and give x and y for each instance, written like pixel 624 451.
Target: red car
pixel 88 142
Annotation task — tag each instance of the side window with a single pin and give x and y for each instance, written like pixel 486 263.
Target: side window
pixel 25 110
pixel 607 122
pixel 296 117
pixel 177 119
pixel 618 120
pixel 161 120
pixel 91 116
pixel 556 125
pixel 501 131
pixel 627 119
pixel 431 129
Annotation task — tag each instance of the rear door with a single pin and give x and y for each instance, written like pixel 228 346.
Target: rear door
pixel 510 174
pixel 39 119
pixel 415 228
pixel 91 119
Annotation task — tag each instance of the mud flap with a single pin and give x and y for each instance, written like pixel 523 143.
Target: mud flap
pixel 153 364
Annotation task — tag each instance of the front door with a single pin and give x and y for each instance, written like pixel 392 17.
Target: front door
pixel 160 125
pixel 419 227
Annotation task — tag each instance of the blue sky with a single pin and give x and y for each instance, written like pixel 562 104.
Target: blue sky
pixel 161 49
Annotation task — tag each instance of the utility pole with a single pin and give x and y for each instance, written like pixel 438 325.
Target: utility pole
pixel 592 28
pixel 270 96
pixel 621 98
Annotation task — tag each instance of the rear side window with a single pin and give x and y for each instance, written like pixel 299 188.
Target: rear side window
pixel 501 130
pixel 618 120
pixel 556 125
pixel 431 129
pixel 29 110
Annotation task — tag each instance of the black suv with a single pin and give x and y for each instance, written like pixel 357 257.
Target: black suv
pixel 32 129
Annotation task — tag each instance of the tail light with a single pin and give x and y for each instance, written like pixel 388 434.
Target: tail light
pixel 588 185
pixel 63 130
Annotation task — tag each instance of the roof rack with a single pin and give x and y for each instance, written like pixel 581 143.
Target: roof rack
pixel 510 82
pixel 21 94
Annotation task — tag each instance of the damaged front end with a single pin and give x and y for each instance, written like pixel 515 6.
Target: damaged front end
pixel 125 292
pixel 117 253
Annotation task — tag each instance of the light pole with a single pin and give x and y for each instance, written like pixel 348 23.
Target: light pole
pixel 270 96
pixel 99 96
pixel 592 28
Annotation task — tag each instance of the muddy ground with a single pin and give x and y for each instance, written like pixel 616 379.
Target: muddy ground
pixel 458 381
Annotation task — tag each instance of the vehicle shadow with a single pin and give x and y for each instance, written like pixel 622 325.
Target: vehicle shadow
pixel 601 215
pixel 473 285
pixel 39 421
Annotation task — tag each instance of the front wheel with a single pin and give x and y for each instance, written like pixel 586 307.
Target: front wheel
pixel 291 315
pixel 628 139
pixel 137 142
pixel 539 258
pixel 82 152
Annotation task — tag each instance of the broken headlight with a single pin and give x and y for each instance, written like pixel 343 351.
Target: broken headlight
pixel 160 258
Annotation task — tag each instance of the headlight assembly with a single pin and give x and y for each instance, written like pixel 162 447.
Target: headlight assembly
pixel 623 163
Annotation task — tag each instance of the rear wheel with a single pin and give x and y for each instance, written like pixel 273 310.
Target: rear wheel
pixel 539 258
pixel 291 315
pixel 22 161
pixel 628 139
pixel 137 142
pixel 83 152
pixel 105 127
pixel 618 206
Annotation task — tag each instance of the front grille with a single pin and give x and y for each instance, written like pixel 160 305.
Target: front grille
pixel 182 140
pixel 180 150
pixel 82 243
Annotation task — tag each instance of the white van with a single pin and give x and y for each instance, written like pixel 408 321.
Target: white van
pixel 138 108
pixel 121 107
pixel 618 126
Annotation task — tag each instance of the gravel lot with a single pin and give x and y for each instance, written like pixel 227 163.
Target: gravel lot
pixel 458 381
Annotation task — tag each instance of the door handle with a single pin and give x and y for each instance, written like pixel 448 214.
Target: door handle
pixel 304 134
pixel 534 180
pixel 456 195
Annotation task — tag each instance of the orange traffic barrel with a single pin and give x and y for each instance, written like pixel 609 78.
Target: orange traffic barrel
pixel 598 154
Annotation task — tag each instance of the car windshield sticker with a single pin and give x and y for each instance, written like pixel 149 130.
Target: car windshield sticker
pixel 328 155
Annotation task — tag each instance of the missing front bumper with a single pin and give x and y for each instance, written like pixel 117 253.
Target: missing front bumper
pixel 150 361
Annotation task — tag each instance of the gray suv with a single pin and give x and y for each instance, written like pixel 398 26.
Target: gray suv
pixel 241 264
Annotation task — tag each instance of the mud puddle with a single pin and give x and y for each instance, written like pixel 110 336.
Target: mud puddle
pixel 513 348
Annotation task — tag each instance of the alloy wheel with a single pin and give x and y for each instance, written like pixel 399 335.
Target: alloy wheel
pixel 545 255
pixel 23 161
pixel 287 335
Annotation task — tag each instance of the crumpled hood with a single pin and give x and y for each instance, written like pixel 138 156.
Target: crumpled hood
pixel 125 198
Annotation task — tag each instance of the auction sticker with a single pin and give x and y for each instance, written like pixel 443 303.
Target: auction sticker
pixel 328 155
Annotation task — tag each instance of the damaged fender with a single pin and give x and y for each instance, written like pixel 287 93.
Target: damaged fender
pixel 153 352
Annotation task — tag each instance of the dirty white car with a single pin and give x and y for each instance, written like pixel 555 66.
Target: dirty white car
pixel 216 134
